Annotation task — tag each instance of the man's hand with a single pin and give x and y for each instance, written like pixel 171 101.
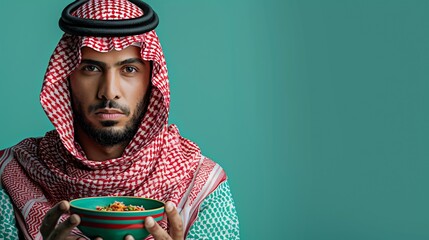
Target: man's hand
pixel 176 225
pixel 51 231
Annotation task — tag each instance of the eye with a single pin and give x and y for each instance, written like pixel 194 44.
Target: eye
pixel 129 69
pixel 90 68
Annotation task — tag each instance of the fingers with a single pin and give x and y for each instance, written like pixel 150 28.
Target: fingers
pixel 64 229
pixel 153 228
pixel 51 219
pixel 176 224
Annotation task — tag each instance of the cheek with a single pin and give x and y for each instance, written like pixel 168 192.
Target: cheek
pixel 135 100
pixel 81 92
pixel 79 101
pixel 76 104
pixel 135 93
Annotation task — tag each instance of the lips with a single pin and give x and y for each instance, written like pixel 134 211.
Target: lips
pixel 109 114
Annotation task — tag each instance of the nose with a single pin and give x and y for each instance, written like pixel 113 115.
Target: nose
pixel 109 87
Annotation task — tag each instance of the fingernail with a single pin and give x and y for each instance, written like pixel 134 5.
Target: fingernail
pixel 150 222
pixel 129 237
pixel 63 206
pixel 74 219
pixel 169 206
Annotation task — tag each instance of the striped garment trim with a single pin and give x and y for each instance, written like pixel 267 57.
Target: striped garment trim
pixel 5 159
pixel 27 207
pixel 23 226
pixel 216 177
pixel 181 208
pixel 39 236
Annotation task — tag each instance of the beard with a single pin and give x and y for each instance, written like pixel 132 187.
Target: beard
pixel 108 136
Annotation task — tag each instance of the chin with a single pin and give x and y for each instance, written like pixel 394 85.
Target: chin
pixel 109 123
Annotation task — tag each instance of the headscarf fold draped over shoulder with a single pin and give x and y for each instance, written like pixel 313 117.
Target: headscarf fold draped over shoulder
pixel 157 163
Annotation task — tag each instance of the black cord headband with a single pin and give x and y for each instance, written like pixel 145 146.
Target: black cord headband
pixel 108 28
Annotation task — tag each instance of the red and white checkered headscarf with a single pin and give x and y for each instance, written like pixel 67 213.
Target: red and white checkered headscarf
pixel 157 163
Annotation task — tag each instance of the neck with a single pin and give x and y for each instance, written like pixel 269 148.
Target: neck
pixel 96 152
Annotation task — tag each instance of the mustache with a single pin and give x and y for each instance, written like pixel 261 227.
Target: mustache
pixel 109 104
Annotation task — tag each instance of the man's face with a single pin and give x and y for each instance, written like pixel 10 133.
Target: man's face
pixel 108 94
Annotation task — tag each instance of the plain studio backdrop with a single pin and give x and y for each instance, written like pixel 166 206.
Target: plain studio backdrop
pixel 317 110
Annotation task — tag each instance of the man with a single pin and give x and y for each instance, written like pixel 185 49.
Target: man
pixel 106 92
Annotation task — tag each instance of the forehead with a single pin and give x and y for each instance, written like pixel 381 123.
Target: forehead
pixel 112 56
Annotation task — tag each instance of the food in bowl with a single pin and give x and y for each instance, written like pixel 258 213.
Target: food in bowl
pixel 120 207
pixel 114 225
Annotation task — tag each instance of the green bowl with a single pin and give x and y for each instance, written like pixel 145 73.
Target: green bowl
pixel 115 225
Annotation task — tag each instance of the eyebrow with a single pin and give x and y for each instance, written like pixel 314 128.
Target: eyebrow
pixel 120 63
pixel 130 60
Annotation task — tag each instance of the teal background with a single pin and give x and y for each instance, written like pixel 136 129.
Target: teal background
pixel 316 109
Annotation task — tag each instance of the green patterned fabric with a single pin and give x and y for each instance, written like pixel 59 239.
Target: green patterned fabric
pixel 8 228
pixel 217 218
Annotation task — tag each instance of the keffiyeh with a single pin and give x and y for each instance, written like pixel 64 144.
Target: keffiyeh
pixel 157 163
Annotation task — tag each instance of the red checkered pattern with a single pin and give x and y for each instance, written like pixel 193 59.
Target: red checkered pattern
pixel 205 169
pixel 158 163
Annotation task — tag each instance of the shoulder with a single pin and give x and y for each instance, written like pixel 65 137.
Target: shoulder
pixel 209 172
pixel 217 216
pixel 26 146
pixel 6 155
pixel 208 165
pixel 208 177
pixel 8 229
